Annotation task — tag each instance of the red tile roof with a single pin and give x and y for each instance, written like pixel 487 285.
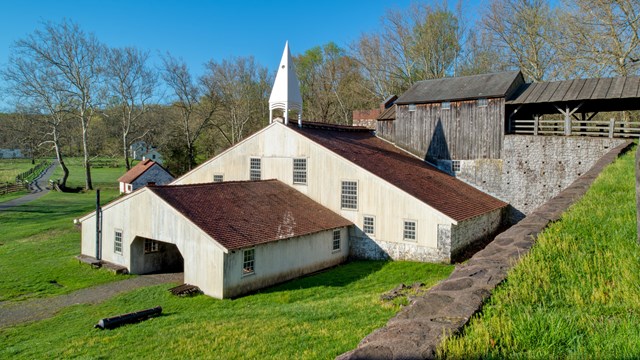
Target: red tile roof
pixel 445 193
pixel 131 175
pixel 240 214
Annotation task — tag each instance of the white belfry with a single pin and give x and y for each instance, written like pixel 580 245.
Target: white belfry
pixel 285 94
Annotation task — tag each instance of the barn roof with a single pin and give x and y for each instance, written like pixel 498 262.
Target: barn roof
pixel 577 90
pixel 388 114
pixel 443 192
pixel 460 88
pixel 135 172
pixel 240 214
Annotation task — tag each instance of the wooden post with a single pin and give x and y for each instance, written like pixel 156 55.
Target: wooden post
pixel 567 122
pixel 612 126
pixel 536 120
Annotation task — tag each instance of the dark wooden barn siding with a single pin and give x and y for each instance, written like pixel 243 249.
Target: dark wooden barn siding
pixel 463 132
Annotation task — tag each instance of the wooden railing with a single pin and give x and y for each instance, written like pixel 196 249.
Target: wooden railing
pixel 29 175
pixel 9 188
pixel 612 128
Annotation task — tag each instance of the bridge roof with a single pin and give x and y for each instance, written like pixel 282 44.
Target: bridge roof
pixel 578 90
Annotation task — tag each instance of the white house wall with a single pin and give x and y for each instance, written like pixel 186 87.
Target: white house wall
pixel 277 145
pixel 155 174
pixel 283 260
pixel 143 214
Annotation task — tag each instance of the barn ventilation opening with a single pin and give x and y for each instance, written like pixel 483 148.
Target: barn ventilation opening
pixel 153 256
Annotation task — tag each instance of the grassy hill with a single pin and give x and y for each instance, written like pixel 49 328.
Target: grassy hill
pixel 577 294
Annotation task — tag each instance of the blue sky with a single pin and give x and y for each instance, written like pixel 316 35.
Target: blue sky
pixel 199 31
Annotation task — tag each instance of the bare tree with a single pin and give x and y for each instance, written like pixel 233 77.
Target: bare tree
pixel 38 87
pixel 331 84
pixel 74 59
pixel 131 84
pixel 242 89
pixel 603 37
pixel 195 103
pixel 524 32
pixel 421 42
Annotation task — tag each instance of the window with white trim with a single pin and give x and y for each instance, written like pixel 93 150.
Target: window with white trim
pixel 336 240
pixel 455 165
pixel 368 225
pixel 412 107
pixel 300 171
pixel 218 178
pixel 349 195
pixel 483 102
pixel 446 105
pixel 409 231
pixel 151 246
pixel 117 242
pixel 248 262
pixel 255 169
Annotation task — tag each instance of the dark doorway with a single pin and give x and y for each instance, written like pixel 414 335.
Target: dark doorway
pixel 153 256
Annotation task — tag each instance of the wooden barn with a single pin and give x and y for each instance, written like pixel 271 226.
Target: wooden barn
pixel 452 118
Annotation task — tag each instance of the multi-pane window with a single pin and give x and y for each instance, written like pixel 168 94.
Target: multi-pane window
pixel 300 171
pixel 218 178
pixel 117 242
pixel 368 225
pixel 248 263
pixel 455 165
pixel 483 102
pixel 349 195
pixel 255 169
pixel 446 105
pixel 336 240
pixel 151 246
pixel 409 232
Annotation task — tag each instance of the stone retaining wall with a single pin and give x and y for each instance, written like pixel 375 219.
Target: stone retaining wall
pixel 535 168
pixel 416 331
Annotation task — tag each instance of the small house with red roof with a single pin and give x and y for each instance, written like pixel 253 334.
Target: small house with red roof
pixel 229 238
pixel 145 172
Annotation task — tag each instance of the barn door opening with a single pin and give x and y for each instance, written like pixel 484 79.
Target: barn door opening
pixel 153 256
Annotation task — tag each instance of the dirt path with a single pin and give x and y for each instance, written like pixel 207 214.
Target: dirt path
pixel 38 189
pixel 17 312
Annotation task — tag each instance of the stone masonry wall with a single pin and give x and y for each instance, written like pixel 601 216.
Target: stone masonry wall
pixel 535 168
pixel 475 229
pixel 365 248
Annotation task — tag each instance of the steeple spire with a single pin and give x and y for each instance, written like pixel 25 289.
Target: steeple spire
pixel 285 94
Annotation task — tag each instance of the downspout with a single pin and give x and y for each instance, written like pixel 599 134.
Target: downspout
pixel 98 226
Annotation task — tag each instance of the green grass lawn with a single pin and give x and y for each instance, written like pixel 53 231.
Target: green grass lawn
pixel 38 241
pixel 317 317
pixel 577 294
pixel 10 168
pixel 101 177
pixel 38 244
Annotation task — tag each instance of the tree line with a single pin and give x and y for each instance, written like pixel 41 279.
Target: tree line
pixel 76 96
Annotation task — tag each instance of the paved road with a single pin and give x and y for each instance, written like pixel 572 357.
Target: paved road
pixel 38 189
pixel 17 312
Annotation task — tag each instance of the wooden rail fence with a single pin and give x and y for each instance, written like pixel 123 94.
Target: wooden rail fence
pixel 9 188
pixel 611 128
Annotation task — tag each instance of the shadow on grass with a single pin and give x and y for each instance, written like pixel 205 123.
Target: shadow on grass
pixel 337 276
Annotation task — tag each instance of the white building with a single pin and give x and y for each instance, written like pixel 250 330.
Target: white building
pixel 233 232
pixel 229 238
pixel 403 208
pixel 144 173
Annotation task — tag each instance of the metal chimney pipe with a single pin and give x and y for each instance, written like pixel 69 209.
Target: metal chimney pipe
pixel 98 226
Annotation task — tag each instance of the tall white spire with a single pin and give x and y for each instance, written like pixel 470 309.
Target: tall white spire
pixel 285 94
